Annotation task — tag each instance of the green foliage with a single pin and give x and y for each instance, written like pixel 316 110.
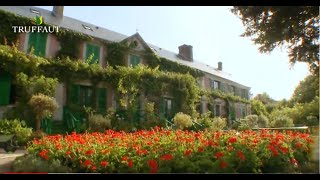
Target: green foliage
pixel 7 20
pixel 258 108
pixel 35 85
pixel 263 121
pixel 279 118
pixel 307 90
pixel 249 122
pixel 17 127
pixel 212 94
pixel 98 122
pixel 70 43
pixel 32 163
pixel 297 28
pixel 117 53
pixel 182 121
pixel 128 82
pixel 212 123
pixel 43 106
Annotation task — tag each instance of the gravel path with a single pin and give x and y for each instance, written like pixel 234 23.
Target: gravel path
pixel 6 159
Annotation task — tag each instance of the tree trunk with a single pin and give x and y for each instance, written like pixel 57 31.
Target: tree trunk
pixel 38 124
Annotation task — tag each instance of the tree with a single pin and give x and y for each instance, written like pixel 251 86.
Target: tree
pixel 264 98
pixel 307 90
pixel 294 27
pixel 43 106
pixel 258 108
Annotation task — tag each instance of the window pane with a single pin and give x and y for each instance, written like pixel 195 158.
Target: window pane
pixel 38 42
pixel 94 50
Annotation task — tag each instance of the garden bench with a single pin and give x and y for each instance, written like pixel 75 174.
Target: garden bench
pixel 8 142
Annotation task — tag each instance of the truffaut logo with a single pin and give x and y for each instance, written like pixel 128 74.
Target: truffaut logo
pixel 38 20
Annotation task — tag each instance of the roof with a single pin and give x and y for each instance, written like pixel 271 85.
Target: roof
pixel 105 34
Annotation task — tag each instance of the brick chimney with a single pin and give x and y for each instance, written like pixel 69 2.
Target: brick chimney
pixel 185 51
pixel 220 66
pixel 57 11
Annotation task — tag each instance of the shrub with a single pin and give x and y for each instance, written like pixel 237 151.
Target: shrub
pixel 263 121
pixel 32 163
pixel 99 123
pixel 249 122
pixel 18 128
pixel 282 121
pixel 182 120
pixel 210 123
pixel 43 106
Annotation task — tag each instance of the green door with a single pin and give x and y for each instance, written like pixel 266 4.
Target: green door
pixel 74 94
pixel 93 50
pixel 5 88
pixel 38 41
pixel 102 99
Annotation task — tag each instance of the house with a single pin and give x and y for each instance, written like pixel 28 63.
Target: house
pixel 48 45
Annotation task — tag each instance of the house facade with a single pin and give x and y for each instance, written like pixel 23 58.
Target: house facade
pixel 80 92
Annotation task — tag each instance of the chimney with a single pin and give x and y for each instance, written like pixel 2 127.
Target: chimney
pixel 220 66
pixel 185 51
pixel 57 11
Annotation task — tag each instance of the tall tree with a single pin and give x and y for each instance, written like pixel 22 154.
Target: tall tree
pixel 307 90
pixel 264 98
pixel 294 27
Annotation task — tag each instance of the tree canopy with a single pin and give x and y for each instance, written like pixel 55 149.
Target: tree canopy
pixel 294 27
pixel 307 90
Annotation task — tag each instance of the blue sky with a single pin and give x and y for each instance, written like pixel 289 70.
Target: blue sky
pixel 214 33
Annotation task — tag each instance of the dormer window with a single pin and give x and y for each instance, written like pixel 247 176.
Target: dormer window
pixel 34 11
pixel 86 27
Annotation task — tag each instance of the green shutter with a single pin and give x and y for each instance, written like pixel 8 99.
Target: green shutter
pixel 5 88
pixel 38 41
pixel 95 50
pixel 74 94
pixel 134 60
pixel 102 99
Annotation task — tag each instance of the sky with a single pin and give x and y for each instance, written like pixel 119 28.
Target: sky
pixel 214 32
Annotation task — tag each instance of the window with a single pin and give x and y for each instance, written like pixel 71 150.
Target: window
pixel 92 51
pixel 217 110
pixel 216 84
pixel 134 60
pixel 167 107
pixel 38 42
pixel 233 89
pixel 86 27
pixel 244 93
pixel 83 96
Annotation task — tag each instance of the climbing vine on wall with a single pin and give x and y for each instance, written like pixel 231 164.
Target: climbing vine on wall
pixel 125 80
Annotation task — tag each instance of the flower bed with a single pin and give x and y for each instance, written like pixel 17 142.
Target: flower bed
pixel 166 151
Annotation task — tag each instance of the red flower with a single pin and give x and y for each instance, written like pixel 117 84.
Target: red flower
pixel 219 154
pixel 91 151
pixel 130 163
pixel 229 148
pixel 154 166
pixel 241 155
pixel 94 168
pixel 87 162
pixel 68 153
pixel 232 139
pixel 298 145
pixel 167 157
pixel 200 149
pixel 104 163
pixel 188 152
pixel 223 164
pixel 125 158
